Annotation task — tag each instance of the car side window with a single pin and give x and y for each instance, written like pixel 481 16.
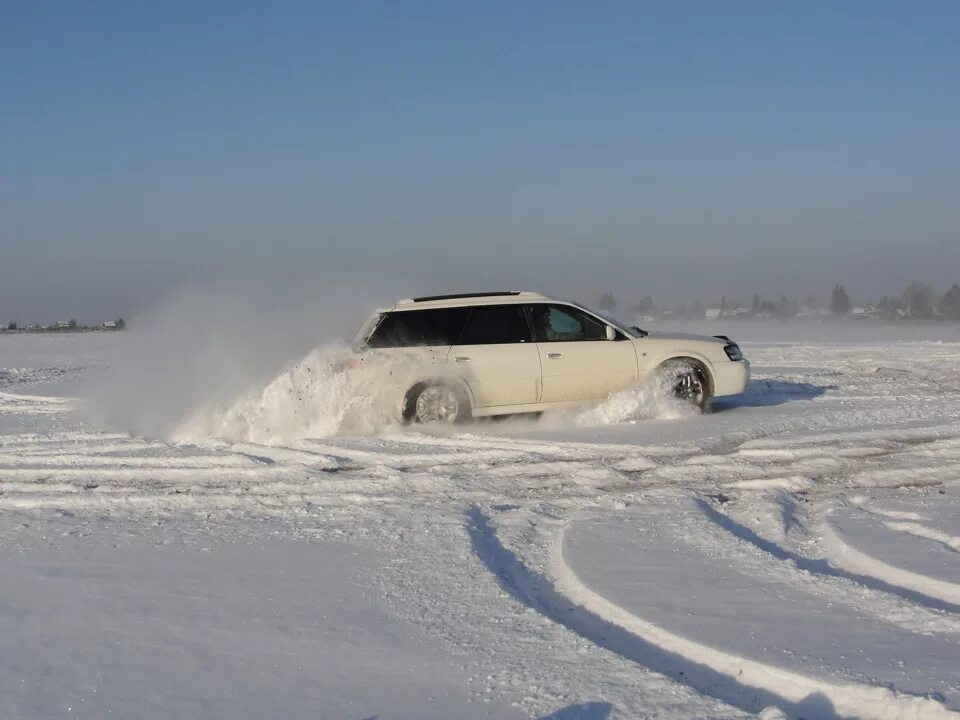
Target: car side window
pixel 496 325
pixel 562 323
pixel 418 328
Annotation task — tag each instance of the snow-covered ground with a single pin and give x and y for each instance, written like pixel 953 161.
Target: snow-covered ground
pixel 795 553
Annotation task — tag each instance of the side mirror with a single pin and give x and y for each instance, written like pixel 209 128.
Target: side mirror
pixel 611 333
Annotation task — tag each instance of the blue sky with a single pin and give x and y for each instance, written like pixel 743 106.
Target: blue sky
pixel 679 150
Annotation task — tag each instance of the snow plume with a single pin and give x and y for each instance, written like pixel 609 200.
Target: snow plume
pixel 333 391
pixel 207 347
pixel 328 392
pixel 652 399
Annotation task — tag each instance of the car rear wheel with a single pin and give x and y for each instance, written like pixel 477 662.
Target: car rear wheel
pixel 439 404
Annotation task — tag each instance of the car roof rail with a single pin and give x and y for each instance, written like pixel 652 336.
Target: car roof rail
pixel 458 296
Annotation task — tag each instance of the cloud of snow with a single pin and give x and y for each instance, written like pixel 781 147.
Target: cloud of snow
pixel 328 392
pixel 653 399
pixel 205 347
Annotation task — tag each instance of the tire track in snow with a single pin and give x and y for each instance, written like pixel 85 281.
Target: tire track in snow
pixel 461 465
pixel 863 573
pixel 17 404
pixel 882 606
pixel 540 594
pixel 798 694
pixel 922 531
pixel 947 594
pixel 741 682
pixel 218 476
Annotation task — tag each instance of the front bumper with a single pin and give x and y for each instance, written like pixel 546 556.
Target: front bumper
pixel 731 378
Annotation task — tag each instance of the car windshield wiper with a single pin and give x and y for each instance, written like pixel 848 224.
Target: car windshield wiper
pixel 638 331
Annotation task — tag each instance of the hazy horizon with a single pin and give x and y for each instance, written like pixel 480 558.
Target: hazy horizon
pixel 678 152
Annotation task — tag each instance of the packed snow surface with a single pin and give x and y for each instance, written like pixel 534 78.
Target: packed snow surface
pixel 287 552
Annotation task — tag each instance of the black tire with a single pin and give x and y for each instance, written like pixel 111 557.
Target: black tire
pixel 689 381
pixel 436 403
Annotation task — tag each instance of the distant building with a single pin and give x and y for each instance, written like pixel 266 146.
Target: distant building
pixel 110 325
pixel 63 325
pixel 712 313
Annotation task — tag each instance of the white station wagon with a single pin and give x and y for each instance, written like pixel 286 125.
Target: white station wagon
pixel 452 357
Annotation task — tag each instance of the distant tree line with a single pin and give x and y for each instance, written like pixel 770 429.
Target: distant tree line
pixel 70 325
pixel 919 301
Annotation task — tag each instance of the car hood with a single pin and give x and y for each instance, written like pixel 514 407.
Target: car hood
pixel 685 336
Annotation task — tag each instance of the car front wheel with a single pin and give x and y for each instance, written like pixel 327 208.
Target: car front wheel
pixel 687 381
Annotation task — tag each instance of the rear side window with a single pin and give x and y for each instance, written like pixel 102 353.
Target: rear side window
pixel 562 323
pixel 496 325
pixel 418 328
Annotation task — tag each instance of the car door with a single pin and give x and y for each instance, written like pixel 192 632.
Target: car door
pixel 497 358
pixel 578 362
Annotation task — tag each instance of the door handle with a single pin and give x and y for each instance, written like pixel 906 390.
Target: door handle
pixel 554 356
pixel 462 358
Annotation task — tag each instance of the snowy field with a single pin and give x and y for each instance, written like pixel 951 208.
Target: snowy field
pixel 795 553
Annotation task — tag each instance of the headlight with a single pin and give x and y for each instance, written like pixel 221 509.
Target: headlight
pixel 733 352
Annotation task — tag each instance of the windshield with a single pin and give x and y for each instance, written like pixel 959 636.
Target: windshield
pixel 627 330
